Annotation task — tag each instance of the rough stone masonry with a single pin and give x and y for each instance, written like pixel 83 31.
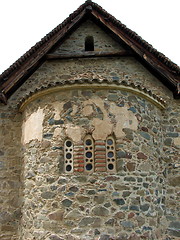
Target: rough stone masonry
pixel 89 157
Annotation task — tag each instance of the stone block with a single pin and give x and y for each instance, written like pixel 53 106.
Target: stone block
pixel 100 211
pixel 56 216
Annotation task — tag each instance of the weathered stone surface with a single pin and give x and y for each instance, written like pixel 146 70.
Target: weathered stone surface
pixel 174 181
pixel 81 178
pixel 131 166
pixel 168 141
pixel 73 189
pixel 67 203
pixel 105 237
pixel 83 199
pixel 174 228
pixel 4 217
pixel 74 214
pixel 120 187
pixel 126 193
pixel 122 154
pixel 134 208
pixel 110 222
pixel 99 199
pixel 1 153
pixel 56 216
pixel 141 155
pixel 113 97
pixel 120 215
pixel 127 224
pixel 111 178
pixel 48 195
pixel 45 160
pixel 55 237
pixel 96 232
pixel 145 135
pixel 100 211
pixel 122 236
pixel 2 165
pixel 86 221
pixel 130 179
pixel 144 207
pixel 119 201
pixel 91 192
pixel 45 144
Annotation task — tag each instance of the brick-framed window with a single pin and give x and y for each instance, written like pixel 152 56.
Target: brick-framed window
pixel 90 155
pixel 68 155
pixel 110 154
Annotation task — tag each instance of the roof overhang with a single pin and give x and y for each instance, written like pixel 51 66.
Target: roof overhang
pixel 167 71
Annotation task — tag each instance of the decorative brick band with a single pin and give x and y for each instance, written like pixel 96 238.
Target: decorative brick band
pixel 89 153
pixel 79 158
pixel 90 156
pixel 100 156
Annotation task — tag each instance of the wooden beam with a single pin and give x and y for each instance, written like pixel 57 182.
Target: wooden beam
pixel 89 54
pixel 3 98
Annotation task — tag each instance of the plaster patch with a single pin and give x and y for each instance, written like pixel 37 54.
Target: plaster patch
pixel 177 141
pixel 74 132
pixel 88 110
pixel 124 119
pixel 58 107
pixel 75 110
pixel 103 128
pixel 32 128
pixel 57 132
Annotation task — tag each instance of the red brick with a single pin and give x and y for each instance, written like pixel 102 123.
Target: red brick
pixel 78 161
pixel 99 144
pixel 78 157
pixel 78 165
pixel 100 153
pixel 100 165
pixel 101 169
pixel 79 170
pixel 100 161
pixel 100 157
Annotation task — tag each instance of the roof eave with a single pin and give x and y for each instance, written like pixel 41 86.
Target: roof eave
pixel 13 77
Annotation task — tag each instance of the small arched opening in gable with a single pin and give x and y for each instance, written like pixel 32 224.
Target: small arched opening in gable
pixel 89 43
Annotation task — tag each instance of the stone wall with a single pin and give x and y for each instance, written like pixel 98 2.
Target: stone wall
pixel 128 203
pixel 170 158
pixel 10 170
pixel 76 41
pixel 138 199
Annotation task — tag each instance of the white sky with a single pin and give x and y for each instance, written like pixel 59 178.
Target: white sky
pixel 25 22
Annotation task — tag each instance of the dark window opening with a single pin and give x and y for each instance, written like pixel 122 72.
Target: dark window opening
pixel 110 166
pixel 68 168
pixel 89 167
pixel 89 43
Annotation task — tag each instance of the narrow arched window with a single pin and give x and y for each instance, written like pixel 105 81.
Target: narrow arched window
pixel 110 154
pixel 68 156
pixel 89 153
pixel 89 43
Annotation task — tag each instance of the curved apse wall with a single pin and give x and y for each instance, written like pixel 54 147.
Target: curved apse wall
pixel 111 141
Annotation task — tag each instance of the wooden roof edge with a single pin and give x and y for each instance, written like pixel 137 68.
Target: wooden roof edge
pixel 87 7
pixel 19 62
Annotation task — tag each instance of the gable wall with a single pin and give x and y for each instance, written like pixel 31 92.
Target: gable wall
pixel 76 41
pixel 147 155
